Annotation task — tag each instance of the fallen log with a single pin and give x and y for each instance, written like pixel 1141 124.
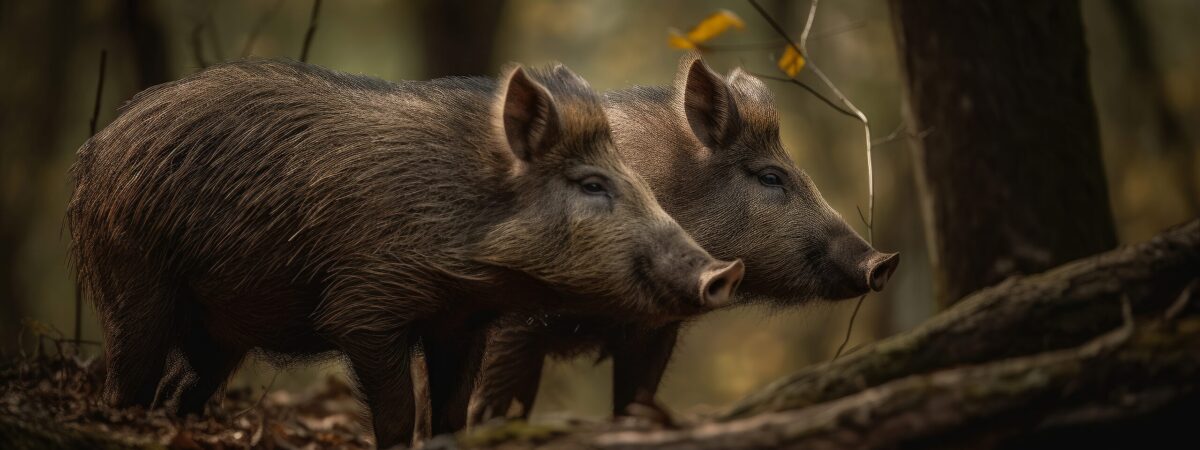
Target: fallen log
pixel 1056 309
pixel 969 407
pixel 1017 362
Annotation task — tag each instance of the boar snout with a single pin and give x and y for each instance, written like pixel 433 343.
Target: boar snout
pixel 859 267
pixel 880 268
pixel 689 281
pixel 720 281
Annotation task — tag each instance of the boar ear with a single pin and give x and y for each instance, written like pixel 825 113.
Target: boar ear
pixel 708 105
pixel 749 85
pixel 528 116
pixel 563 73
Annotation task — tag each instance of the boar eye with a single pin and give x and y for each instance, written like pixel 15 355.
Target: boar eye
pixel 770 179
pixel 593 186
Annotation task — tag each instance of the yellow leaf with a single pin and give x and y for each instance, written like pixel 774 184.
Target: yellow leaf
pixel 792 61
pixel 678 41
pixel 711 27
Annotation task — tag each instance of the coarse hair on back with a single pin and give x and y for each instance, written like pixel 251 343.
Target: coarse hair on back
pixel 295 167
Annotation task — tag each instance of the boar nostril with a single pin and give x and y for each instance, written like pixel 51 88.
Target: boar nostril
pixel 718 283
pixel 883 270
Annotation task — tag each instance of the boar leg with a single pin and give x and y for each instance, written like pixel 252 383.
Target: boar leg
pixel 525 389
pixel 372 324
pixel 386 385
pixel 452 364
pixel 379 360
pixel 212 364
pixel 639 360
pixel 511 370
pixel 137 306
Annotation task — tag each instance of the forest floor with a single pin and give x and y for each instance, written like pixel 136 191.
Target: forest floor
pixel 53 401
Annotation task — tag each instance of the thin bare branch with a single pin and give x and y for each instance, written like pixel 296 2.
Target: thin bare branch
pixel 266 390
pixel 807 88
pixel 91 132
pixel 849 106
pixel 779 28
pixel 99 92
pixel 802 48
pixel 901 131
pixel 716 48
pixel 312 30
pixel 895 134
pixel 848 27
pixel 849 328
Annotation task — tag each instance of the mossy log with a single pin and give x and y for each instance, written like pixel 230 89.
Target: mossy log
pixel 1098 347
pixel 1057 309
pixel 1132 371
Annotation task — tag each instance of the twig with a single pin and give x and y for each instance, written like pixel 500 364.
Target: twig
pixel 850 327
pixel 258 403
pixel 855 348
pixel 258 27
pixel 91 132
pixel 851 26
pixel 716 48
pixel 891 136
pixel 99 91
pixel 901 131
pixel 802 48
pixel 312 29
pixel 807 88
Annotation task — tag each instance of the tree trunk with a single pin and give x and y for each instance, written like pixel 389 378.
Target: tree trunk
pixel 459 36
pixel 143 32
pixel 1010 172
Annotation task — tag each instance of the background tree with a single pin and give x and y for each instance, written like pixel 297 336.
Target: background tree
pixel 458 36
pixel 1010 175
pixel 1172 140
pixel 29 124
pixel 142 33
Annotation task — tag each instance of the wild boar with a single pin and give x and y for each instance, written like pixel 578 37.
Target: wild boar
pixel 301 212
pixel 710 149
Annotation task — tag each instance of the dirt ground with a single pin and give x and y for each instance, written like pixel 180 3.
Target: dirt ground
pixel 53 401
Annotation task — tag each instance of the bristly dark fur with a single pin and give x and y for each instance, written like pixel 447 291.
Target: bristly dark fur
pixel 702 145
pixel 286 207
